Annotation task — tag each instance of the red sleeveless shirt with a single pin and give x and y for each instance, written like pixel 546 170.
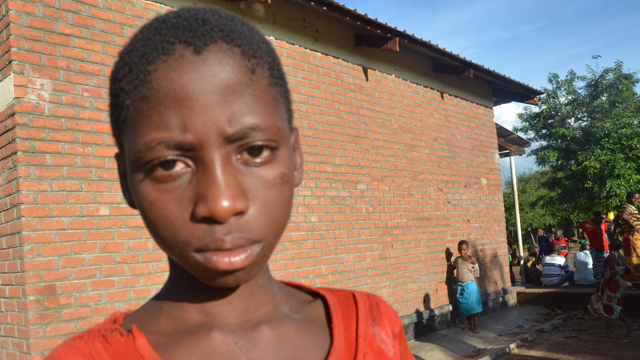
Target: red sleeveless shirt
pixel 363 326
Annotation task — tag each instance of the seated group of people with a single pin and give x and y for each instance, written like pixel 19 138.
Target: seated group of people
pixel 553 254
pixel 556 270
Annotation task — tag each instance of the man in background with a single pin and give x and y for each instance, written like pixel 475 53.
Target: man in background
pixel 584 267
pixel 553 266
pixel 544 242
pixel 595 230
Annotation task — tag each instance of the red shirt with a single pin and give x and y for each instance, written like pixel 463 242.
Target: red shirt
pixel 596 235
pixel 564 244
pixel 363 326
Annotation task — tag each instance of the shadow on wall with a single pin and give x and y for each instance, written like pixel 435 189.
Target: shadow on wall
pixel 426 302
pixel 421 326
pixel 450 281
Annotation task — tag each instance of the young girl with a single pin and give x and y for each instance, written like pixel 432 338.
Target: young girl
pixel 606 302
pixel 202 117
pixel 469 299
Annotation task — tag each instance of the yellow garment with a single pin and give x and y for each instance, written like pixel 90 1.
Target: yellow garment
pixel 611 215
pixel 631 248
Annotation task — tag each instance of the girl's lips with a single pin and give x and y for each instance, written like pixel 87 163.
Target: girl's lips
pixel 231 260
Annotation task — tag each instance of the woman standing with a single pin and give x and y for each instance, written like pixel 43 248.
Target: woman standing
pixel 628 221
pixel 606 302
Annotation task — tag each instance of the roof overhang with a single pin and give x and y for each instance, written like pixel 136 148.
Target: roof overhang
pixel 510 143
pixel 504 88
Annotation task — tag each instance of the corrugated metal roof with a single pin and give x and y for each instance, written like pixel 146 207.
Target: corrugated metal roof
pixel 372 24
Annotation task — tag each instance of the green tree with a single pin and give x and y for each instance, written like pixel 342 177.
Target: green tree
pixel 588 132
pixel 534 211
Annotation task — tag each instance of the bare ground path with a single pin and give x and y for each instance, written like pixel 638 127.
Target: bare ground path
pixel 582 338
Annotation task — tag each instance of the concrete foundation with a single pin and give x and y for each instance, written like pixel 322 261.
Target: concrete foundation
pixel 443 317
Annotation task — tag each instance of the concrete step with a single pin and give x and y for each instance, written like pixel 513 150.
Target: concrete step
pixel 572 298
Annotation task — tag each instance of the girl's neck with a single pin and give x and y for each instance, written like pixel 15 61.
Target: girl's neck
pixel 192 299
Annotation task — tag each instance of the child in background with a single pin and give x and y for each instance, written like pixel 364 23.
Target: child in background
pixel 468 295
pixel 202 117
pixel 531 271
pixel 563 242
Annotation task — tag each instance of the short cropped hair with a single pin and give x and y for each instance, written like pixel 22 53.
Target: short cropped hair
pixel 584 247
pixel 553 248
pixel 597 214
pixel 631 194
pixel 532 248
pixel 616 244
pixel 463 242
pixel 195 28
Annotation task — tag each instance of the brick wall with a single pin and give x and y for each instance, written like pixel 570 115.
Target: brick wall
pixel 395 172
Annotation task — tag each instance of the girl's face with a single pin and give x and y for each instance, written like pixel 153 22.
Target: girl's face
pixel 633 200
pixel 463 249
pixel 211 164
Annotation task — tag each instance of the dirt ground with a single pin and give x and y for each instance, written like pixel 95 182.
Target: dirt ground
pixel 582 338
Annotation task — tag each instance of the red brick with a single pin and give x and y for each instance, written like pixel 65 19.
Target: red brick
pixel 72 6
pixel 84 21
pixel 104 15
pixel 62 112
pixel 74 54
pixel 58 39
pixel 23 7
pixel 89 69
pixel 26 33
pixel 31 265
pixel 36 23
pixel 72 30
pixel 112 28
pixel 59 63
pixel 55 14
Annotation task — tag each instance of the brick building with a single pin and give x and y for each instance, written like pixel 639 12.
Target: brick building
pixel 401 161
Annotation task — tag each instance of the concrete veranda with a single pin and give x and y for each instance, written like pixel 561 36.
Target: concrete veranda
pixel 497 330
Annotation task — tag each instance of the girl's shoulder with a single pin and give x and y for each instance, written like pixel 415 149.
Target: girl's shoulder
pixel 470 260
pixel 108 336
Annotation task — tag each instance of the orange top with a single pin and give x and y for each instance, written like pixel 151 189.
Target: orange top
pixel 363 326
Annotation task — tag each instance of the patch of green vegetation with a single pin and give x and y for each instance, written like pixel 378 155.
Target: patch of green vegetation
pixel 547 316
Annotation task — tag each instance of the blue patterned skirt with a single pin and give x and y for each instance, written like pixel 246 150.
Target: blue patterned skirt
pixel 469 299
pixel 599 258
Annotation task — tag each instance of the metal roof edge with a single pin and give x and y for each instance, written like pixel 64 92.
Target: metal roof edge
pixel 363 20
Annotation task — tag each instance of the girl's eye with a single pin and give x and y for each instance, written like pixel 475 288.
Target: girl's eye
pixel 255 151
pixel 257 154
pixel 168 165
pixel 168 170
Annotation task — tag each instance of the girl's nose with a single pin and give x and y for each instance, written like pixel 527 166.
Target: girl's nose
pixel 220 194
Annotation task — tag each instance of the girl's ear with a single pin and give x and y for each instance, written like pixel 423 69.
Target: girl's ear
pixel 297 156
pixel 124 180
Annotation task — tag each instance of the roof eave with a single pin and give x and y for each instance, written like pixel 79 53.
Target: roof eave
pixel 509 89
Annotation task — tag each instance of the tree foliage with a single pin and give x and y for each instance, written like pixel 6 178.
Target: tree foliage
pixel 532 199
pixel 588 132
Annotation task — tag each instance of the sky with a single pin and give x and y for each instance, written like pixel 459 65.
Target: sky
pixel 523 39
